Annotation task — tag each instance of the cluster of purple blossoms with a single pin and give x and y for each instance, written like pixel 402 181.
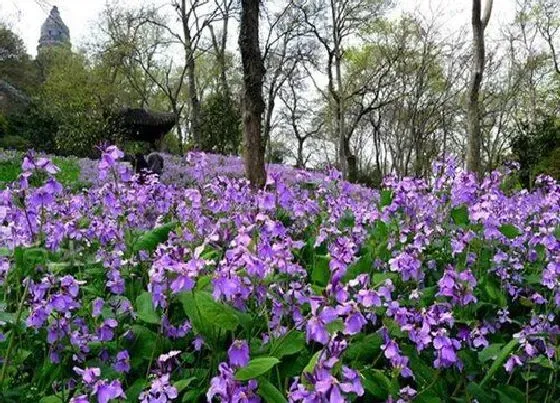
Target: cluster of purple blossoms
pixel 161 390
pixel 322 384
pixel 458 286
pixel 225 387
pixel 104 390
pixel 248 249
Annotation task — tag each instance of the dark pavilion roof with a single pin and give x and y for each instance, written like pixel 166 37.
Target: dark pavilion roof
pixel 143 117
pixel 144 125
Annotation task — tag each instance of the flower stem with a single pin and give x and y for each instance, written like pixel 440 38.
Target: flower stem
pixel 13 336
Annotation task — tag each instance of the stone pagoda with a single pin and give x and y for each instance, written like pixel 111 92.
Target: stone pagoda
pixel 54 32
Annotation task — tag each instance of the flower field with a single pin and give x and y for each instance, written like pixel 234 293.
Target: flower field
pixel 197 288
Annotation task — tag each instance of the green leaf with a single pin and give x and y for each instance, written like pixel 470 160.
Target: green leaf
pixel 376 383
pixel 134 391
pixel 385 198
pixel 378 279
pixel 510 231
pixel 269 392
pixel 291 343
pixel 335 326
pixel 205 313
pixel 494 291
pixel 476 391
pixel 6 317
pixel 321 273
pixel 29 259
pixel 183 384
pixel 52 399
pixel 380 232
pixel 145 309
pixel 460 215
pixel 543 362
pixel 312 362
pixel 510 394
pixel 151 239
pixel 193 395
pixel 361 266
pixel 256 367
pixel 364 348
pixel 347 220
pixel 428 396
pixel 500 359
pixel 425 373
pixel 490 353
pixel 144 342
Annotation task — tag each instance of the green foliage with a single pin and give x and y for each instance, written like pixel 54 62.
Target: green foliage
pixel 276 152
pixel 537 151
pixel 207 315
pixel 72 97
pixel 14 143
pixel 151 239
pixel 16 66
pixel 255 368
pixel 291 343
pixel 509 231
pixel 501 358
pixel 460 216
pixel 220 124
pixel 9 171
pixel 145 309
pixel 269 392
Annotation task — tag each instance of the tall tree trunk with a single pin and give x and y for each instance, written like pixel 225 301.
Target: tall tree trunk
pixel 299 158
pixel 269 110
pixel 475 132
pixel 195 107
pixel 337 94
pixel 220 48
pixel 339 120
pixel 253 103
pixel 190 63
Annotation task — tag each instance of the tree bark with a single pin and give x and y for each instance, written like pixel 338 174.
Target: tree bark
pixel 221 46
pixel 190 64
pixel 253 103
pixel 300 163
pixel 479 24
pixel 343 148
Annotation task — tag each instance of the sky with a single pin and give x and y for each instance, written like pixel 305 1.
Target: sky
pixel 27 16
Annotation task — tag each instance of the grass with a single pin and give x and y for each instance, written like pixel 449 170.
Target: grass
pixel 69 174
pixel 9 171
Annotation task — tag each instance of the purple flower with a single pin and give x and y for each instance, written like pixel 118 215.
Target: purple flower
pixel 89 375
pixel 97 306
pixel 46 165
pixel 160 391
pixel 227 389
pixel 122 363
pixel 354 323
pixel 198 342
pixel 238 353
pixel 106 330
pixel 182 283
pixel 107 391
pixel 512 362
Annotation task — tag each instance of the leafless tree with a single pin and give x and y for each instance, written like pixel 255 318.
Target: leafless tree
pixel 479 21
